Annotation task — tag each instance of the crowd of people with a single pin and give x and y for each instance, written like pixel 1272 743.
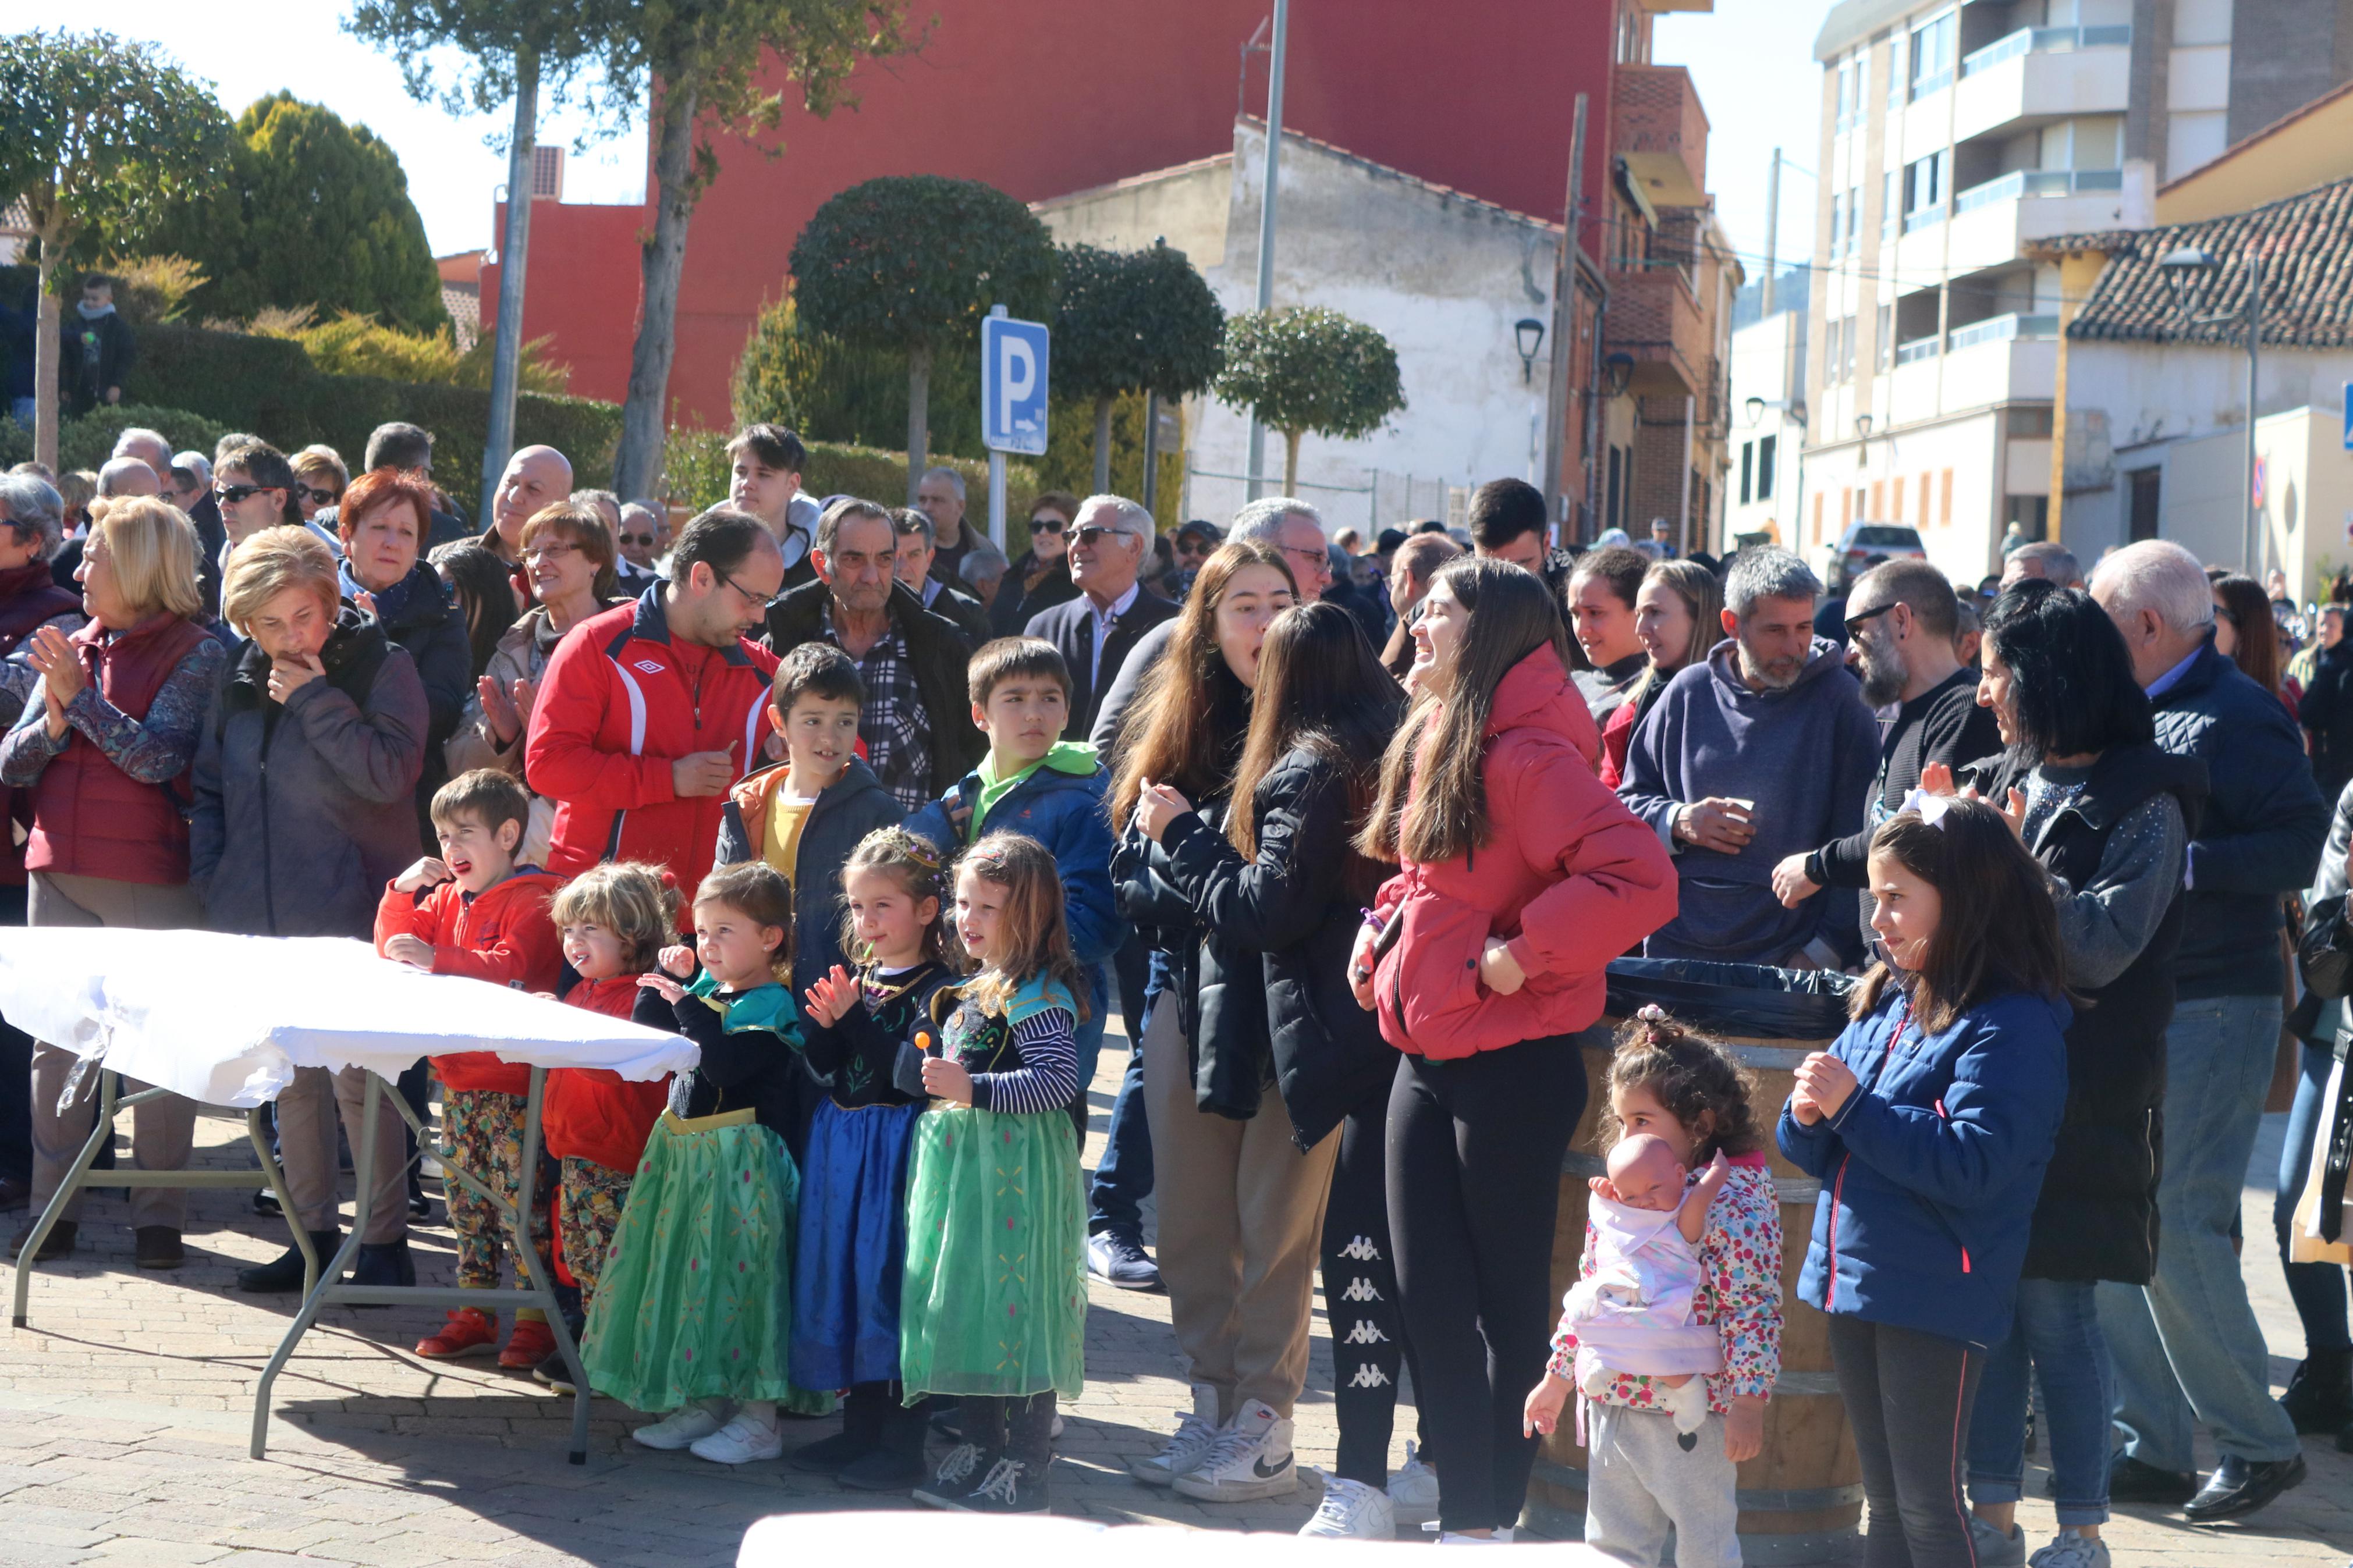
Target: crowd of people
pixel 887 824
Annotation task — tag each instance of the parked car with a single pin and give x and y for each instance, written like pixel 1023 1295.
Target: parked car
pixel 1862 540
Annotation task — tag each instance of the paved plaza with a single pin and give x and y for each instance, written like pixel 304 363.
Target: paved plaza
pixel 124 1408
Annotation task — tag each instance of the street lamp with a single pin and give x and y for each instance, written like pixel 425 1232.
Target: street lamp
pixel 2184 270
pixel 1618 372
pixel 1530 332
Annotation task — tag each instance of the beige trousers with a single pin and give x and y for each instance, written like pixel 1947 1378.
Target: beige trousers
pixel 306 1146
pixel 1240 1223
pixel 162 1131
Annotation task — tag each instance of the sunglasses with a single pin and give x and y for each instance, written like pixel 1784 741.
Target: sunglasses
pixel 1047 525
pixel 1089 534
pixel 1856 623
pixel 319 497
pixel 231 495
pixel 643 540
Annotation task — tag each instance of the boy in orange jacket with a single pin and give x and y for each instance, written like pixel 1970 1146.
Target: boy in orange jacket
pixel 473 912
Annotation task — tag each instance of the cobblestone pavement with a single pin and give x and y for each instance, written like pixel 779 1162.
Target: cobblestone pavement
pixel 124 1408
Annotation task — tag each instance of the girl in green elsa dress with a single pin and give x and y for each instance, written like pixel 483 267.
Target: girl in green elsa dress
pixel 993 1309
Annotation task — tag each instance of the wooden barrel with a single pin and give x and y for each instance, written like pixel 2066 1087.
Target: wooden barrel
pixel 1801 1498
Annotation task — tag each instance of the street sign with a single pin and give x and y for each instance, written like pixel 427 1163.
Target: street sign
pixel 2348 415
pixel 1013 385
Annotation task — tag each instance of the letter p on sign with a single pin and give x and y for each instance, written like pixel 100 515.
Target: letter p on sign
pixel 1013 364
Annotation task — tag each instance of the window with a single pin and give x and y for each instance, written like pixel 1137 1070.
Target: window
pixel 1946 518
pixel 1838 225
pixel 1851 334
pixel 1854 220
pixel 1765 467
pixel 1932 55
pixel 2028 423
pixel 2145 495
pixel 1896 498
pixel 1831 332
pixel 1925 190
pixel 1819 500
pixel 1886 336
pixel 1878 507
pixel 1747 465
pixel 1891 205
pixel 1846 94
pixel 1896 71
pixel 1616 480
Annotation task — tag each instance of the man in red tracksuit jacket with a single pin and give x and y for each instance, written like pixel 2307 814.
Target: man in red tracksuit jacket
pixel 650 712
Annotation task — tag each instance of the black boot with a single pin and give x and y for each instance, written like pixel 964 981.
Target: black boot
pixel 1017 1482
pixel 896 1461
pixel 2320 1397
pixel 384 1263
pixel 970 1461
pixel 863 1414
pixel 284 1272
pixel 56 1245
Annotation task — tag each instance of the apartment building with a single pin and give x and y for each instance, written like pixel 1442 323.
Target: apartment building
pixel 1955 138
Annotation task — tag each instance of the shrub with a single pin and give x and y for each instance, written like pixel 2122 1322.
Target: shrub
pixel 354 344
pixel 694 463
pixel 828 391
pixel 87 442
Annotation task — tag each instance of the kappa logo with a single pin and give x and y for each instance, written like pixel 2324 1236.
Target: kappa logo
pixel 1368 1376
pixel 1362 1250
pixel 650 667
pixel 1365 1333
pixel 1360 1289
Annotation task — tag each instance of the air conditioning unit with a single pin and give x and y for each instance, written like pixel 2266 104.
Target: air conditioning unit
pixel 547 173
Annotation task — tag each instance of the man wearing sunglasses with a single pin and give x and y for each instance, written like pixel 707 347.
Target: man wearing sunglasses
pixel 1096 630
pixel 642 537
pixel 1903 626
pixel 651 712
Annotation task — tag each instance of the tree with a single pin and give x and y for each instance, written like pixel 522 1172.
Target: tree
pixel 514 49
pixel 1141 321
pixel 914 262
pixel 314 212
pixel 1304 370
pixel 96 136
pixel 706 58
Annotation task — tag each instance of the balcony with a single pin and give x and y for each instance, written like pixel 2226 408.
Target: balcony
pixel 1654 316
pixel 2005 329
pixel 1993 223
pixel 2038 75
pixel 1918 349
pixel 1657 126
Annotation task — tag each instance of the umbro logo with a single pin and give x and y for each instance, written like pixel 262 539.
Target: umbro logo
pixel 650 666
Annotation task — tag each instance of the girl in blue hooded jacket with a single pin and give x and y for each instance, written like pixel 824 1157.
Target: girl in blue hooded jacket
pixel 1928 1123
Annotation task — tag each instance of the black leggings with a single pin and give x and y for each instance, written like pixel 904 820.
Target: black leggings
pixel 1360 1297
pixel 1474 1153
pixel 1908 1396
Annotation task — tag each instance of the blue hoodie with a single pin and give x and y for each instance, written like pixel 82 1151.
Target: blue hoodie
pixel 1931 1169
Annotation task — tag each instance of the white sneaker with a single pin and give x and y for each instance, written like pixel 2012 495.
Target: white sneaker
pixel 686 1426
pixel 1184 1451
pixel 1353 1510
pixel 1994 1549
pixel 2069 1549
pixel 741 1441
pixel 1413 1490
pixel 1250 1460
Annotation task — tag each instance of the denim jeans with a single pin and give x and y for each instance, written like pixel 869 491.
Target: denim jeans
pixel 2316 1288
pixel 2058 1333
pixel 21 410
pixel 2187 1346
pixel 1123 1175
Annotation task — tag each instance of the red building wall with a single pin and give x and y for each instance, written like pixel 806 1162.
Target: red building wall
pixel 1040 97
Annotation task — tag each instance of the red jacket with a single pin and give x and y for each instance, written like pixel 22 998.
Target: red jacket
pixel 594 1114
pixel 503 935
pixel 620 701
pixel 1567 876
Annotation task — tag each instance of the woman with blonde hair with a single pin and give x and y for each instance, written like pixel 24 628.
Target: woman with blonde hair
pixel 103 748
pixel 302 814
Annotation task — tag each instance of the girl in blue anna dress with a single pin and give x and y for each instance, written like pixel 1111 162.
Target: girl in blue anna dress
pixel 865 1034
pixel 994 1306
pixel 693 1312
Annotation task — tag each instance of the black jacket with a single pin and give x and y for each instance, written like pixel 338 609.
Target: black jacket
pixel 1944 725
pixel 1299 906
pixel 1219 991
pixel 971 618
pixel 416 615
pixel 83 385
pixel 854 805
pixel 2261 833
pixel 935 647
pixel 2096 1218
pixel 758 1069
pixel 2325 713
pixel 866 1057
pixel 1016 606
pixel 1070 627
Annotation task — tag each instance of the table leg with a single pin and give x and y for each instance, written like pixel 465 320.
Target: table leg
pixel 102 1130
pixel 527 1256
pixel 276 1176
pixel 324 1285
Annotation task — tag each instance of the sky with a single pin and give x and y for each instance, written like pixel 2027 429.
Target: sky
pixel 1752 60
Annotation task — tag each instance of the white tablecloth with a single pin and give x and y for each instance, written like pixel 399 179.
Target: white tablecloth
pixel 226 1019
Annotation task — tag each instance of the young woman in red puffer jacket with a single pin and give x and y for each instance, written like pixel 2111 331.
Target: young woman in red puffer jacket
pixel 613 919
pixel 1521 877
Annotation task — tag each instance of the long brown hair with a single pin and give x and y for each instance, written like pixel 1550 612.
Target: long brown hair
pixel 2257 651
pixel 1998 931
pixel 1702 592
pixel 1508 615
pixel 1034 926
pixel 1321 688
pixel 1191 713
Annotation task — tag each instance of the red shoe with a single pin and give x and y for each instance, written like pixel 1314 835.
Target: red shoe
pixel 530 1345
pixel 468 1331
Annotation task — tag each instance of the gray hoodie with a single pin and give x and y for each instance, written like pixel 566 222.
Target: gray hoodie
pixel 1806 756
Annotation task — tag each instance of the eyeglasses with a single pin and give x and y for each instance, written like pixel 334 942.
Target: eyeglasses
pixel 318 497
pixel 1316 561
pixel 1855 622
pixel 1047 525
pixel 643 540
pixel 744 594
pixel 1089 534
pixel 233 495
pixel 549 552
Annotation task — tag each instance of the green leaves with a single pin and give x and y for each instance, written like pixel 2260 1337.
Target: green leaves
pixel 1307 370
pixel 1140 320
pixel 914 262
pixel 98 134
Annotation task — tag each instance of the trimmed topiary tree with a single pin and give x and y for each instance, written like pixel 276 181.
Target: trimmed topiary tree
pixel 912 262
pixel 1140 320
pixel 1304 370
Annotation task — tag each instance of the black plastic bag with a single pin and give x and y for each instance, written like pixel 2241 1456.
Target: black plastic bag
pixel 1746 999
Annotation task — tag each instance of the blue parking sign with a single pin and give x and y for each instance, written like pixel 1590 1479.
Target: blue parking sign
pixel 1013 385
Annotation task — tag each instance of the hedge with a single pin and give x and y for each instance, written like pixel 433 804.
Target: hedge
pixel 87 442
pixel 269 386
pixel 695 467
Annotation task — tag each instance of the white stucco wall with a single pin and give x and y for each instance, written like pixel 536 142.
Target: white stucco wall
pixel 1444 278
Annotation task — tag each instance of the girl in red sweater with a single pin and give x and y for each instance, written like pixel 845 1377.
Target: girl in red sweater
pixel 614 920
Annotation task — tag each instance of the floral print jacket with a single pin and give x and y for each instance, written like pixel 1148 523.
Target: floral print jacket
pixel 1740 1292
